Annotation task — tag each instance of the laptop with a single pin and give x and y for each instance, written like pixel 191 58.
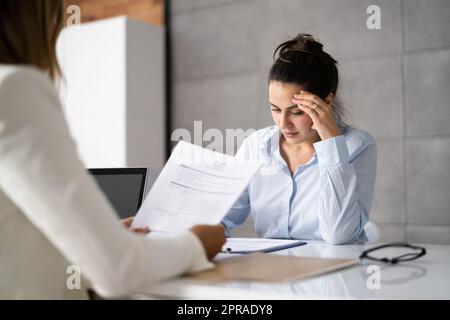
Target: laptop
pixel 124 188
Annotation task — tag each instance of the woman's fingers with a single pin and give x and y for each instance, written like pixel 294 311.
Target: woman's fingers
pixel 143 230
pixel 304 95
pixel 311 112
pixel 310 104
pixel 127 222
pixel 320 112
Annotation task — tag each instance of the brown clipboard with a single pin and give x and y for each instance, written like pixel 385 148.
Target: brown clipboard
pixel 271 268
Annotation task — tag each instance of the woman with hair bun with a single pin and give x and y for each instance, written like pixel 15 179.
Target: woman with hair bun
pixel 319 173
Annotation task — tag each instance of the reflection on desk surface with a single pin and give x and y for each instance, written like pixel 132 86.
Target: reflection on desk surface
pixel 342 285
pixel 425 278
pixel 347 284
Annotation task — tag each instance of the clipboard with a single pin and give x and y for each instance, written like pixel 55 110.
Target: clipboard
pixel 253 245
pixel 271 268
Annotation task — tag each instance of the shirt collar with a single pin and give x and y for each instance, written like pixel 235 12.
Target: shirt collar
pixel 270 139
pixel 270 145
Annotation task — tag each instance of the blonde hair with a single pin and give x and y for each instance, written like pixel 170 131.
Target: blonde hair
pixel 28 33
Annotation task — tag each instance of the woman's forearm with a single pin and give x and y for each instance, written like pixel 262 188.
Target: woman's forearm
pixel 344 194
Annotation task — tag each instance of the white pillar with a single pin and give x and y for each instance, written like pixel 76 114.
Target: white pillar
pixel 114 93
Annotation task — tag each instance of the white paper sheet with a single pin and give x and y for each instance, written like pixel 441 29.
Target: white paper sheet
pixel 196 186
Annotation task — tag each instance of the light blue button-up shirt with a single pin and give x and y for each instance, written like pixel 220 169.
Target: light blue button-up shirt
pixel 327 198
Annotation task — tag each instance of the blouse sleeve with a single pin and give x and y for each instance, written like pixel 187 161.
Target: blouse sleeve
pixel 41 173
pixel 346 187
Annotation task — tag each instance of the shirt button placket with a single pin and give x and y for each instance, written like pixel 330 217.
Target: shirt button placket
pixel 287 211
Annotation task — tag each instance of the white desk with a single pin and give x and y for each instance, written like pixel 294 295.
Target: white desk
pixel 425 278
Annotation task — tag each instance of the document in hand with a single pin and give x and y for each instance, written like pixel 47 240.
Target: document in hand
pixel 196 186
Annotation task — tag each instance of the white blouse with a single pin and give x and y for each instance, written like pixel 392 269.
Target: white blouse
pixel 52 212
pixel 329 198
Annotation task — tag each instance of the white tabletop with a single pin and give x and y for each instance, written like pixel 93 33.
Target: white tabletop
pixel 425 278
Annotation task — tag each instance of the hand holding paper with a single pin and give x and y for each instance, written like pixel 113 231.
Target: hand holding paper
pixel 196 186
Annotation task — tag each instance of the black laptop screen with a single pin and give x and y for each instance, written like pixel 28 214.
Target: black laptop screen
pixel 123 187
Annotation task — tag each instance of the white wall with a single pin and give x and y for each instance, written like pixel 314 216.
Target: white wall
pixel 114 95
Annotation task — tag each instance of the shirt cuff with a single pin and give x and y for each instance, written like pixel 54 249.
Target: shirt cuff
pixel 332 152
pixel 199 260
pixel 225 223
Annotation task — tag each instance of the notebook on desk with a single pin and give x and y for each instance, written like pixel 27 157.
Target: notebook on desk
pixel 252 245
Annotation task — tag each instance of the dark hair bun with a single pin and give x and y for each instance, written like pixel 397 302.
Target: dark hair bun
pixel 302 43
pixel 308 42
pixel 303 62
